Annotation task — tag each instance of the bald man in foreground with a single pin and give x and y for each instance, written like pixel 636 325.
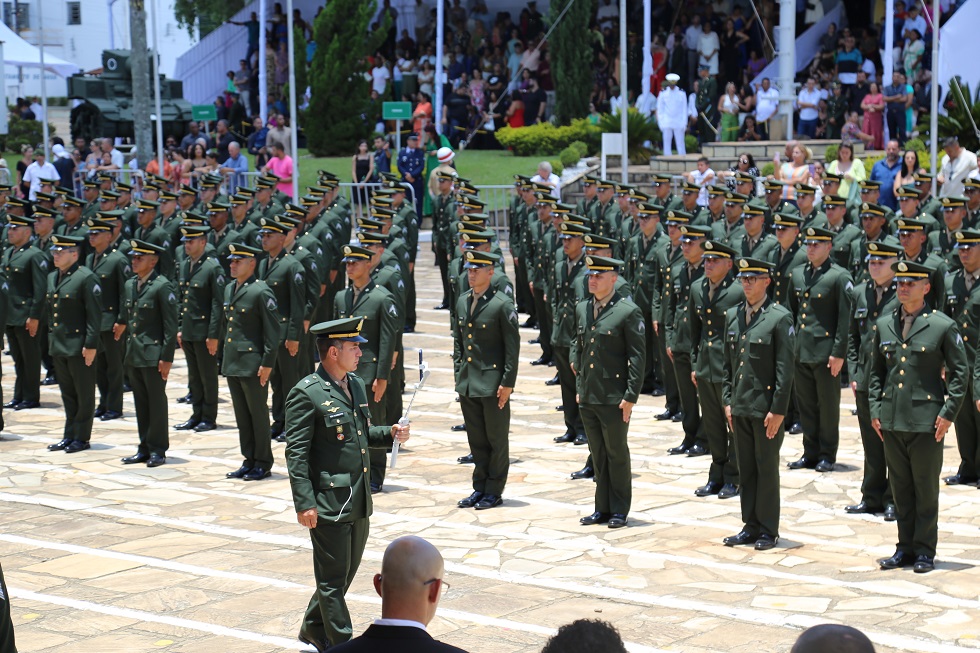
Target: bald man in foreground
pixel 832 638
pixel 410 584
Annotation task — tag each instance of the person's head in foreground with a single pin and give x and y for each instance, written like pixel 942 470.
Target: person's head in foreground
pixel 585 636
pixel 832 638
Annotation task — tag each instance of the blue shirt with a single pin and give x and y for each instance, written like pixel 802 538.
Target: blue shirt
pixel 885 175
pixel 239 165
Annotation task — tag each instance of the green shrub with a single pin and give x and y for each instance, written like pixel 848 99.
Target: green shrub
pixel 569 156
pixel 691 143
pixel 23 132
pixel 557 166
pixel 640 129
pixel 830 154
pixel 767 169
pixel 546 139
pixel 581 148
pixel 916 144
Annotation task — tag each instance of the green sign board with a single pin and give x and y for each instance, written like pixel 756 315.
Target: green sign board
pixel 396 110
pixel 204 112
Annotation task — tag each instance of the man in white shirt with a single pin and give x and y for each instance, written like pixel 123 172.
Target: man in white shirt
pixel 379 78
pixel 38 110
pixel 807 102
pixel 546 176
pixel 691 37
pixel 410 585
pixel 766 105
pixel 115 156
pixel 39 170
pixel 957 164
pixel 672 115
pixel 708 45
pixel 646 104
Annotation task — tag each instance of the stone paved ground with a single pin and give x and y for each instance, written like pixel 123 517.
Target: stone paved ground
pixel 111 558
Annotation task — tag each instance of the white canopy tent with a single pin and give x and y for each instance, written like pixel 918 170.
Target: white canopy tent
pixel 957 36
pixel 18 52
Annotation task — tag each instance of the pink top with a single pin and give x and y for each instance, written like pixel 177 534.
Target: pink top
pixel 283 168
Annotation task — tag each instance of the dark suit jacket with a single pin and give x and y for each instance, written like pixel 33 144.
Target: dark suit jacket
pixel 394 639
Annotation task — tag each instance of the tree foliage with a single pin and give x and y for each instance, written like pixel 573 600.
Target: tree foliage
pixel 571 59
pixel 341 95
pixel 206 14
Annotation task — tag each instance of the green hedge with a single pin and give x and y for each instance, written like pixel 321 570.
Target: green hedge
pixel 23 132
pixel 767 169
pixel 547 139
pixel 569 156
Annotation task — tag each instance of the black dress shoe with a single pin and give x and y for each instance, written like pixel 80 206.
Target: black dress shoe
pixel 658 392
pixel 49 380
pixel 11 404
pixel 553 381
pixel 923 564
pixel 567 437
pixel 465 460
pixel 697 450
pixel 99 412
pixel 470 501
pixel 458 427
pixel 802 463
pixel 727 491
pixel 26 405
pixel 529 324
pixel 186 399
pixel 280 438
pixel 61 445
pixel 534 341
pixel 277 429
pixel 795 428
pixel 256 474
pixel 541 361
pixel 709 488
pixel 595 518
pixel 551 363
pixel 890 513
pixel 156 460
pixel 188 425
pixel 677 417
pixel 489 501
pixel 679 449
pixel 861 508
pixel 618 520
pixel 959 479
pixel 897 561
pixel 581 439
pixel 129 388
pixel 375 488
pixel 408 329
pixel 585 472
pixel 205 425
pixel 110 415
pixel 135 458
pixel 77 445
pixel 240 472
pixel 321 647
pixel 560 409
pixel 742 537
pixel 766 542
pixel 824 466
pixel 664 416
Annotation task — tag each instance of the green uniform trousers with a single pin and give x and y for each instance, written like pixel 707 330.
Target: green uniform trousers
pixel 250 400
pixel 522 293
pixel 688 392
pixel 488 432
pixel 410 316
pixel 7 644
pixel 875 490
pixel 152 417
pixel 968 436
pixel 607 434
pixel 43 334
pixel 818 398
pixel 665 370
pixel 26 352
pixel 109 372
pixel 379 417
pixel 442 261
pixel 286 373
pixel 545 323
pixel 77 383
pixel 202 380
pixel 337 551
pixel 914 463
pixel 721 442
pixel 573 421
pixel 394 405
pixel 652 377
pixel 758 471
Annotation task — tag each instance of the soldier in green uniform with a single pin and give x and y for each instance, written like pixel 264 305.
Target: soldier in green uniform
pixel 590 196
pixel 571 287
pixel 873 227
pixel 517 236
pixel 485 355
pixel 943 242
pixel 774 198
pixel 870 300
pixel 328 433
pixel 870 191
pixel 252 335
pixel 725 231
pixel 607 217
pixel 786 257
pixel 684 274
pixel 753 241
pixel 222 235
pixel 112 269
pixel 759 337
pixel 836 113
pixel 706 104
pixel 642 272
pixel 408 220
pixel 667 257
pixel 845 233
pixel 72 223
pixel 806 204
pixel 74 305
pixel 443 212
pixel 820 300
pixel 918 380
pixel 663 194
pixel 715 211
pixel 382 321
pixel 971 190
pixel 910 206
pixel 912 236
pixel 202 292
pixel 607 356
pixel 542 245
pixel 27 269
pixel 285 277
pixel 927 203
pixel 150 327
pixel 149 231
pixel 90 193
pixel 689 202
pixel 310 259
pixel 710 300
pixel 962 303
pixel 44 221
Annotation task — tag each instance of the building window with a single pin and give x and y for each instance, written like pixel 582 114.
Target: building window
pixel 74 13
pixel 23 15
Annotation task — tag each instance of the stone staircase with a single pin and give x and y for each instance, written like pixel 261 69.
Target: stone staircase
pixel 724 155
